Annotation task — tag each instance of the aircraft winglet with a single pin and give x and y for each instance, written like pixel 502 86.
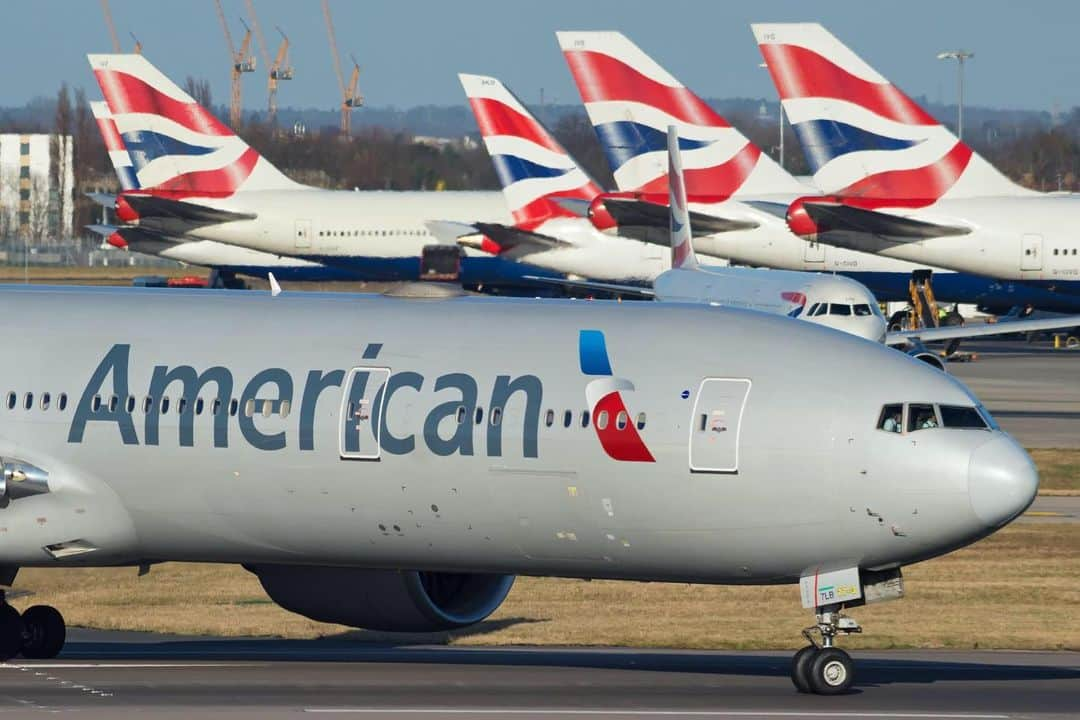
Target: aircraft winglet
pixel 682 251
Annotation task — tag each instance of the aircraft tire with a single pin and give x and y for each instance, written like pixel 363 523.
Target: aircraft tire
pixel 800 668
pixel 11 632
pixel 831 672
pixel 45 632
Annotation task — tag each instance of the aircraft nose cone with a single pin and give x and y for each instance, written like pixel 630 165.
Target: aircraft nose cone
pixel 1002 481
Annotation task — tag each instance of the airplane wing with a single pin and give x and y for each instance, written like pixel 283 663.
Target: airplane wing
pixel 635 291
pixel 855 228
pixel 494 238
pixel 1004 327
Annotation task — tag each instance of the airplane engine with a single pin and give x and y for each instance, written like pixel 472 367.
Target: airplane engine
pixel 387 600
pixel 932 359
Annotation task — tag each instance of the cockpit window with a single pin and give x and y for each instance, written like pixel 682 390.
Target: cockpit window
pixel 955 416
pixel 921 417
pixel 822 309
pixel 838 309
pixel 813 310
pixel 862 310
pixel 892 418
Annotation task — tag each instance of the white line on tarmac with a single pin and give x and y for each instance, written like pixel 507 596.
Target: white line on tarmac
pixel 82 666
pixel 654 713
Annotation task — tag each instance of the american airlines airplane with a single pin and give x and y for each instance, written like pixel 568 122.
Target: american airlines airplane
pixel 198 180
pixel 895 181
pixel 631 100
pixel 224 259
pixel 825 299
pixel 393 463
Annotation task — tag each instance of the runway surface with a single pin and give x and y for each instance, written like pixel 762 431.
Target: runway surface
pixel 1053 509
pixel 107 675
pixel 1032 390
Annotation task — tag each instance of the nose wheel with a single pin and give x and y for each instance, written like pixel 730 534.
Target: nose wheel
pixel 825 669
pixel 38 633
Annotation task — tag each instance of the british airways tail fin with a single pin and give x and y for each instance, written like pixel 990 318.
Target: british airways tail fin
pixel 862 136
pixel 682 251
pixel 534 169
pixel 178 149
pixel 114 145
pixel 631 101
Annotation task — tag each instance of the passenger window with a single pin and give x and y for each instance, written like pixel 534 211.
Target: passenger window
pixel 130 403
pixel 165 405
pixel 198 406
pixel 234 407
pixel 496 416
pixel 215 407
pixel 549 418
pixel 838 309
pixel 955 416
pixel 641 421
pixel 568 419
pixel 479 415
pixel 11 401
pixel 181 405
pixel 62 404
pixel 460 414
pixel 862 310
pixel 584 418
pixel 45 398
pixel 892 418
pixel 28 401
pixel 284 408
pixel 249 408
pixel 601 420
pixel 621 420
pixel 148 402
pixel 114 403
pixel 267 408
pixel 921 417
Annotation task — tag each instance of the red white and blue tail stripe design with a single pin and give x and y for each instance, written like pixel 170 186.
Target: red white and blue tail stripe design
pixel 631 101
pixel 114 145
pixel 615 427
pixel 532 166
pixel 682 249
pixel 178 149
pixel 863 137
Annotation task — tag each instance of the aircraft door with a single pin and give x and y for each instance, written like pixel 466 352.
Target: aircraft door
pixel 813 252
pixel 715 424
pixel 361 421
pixel 303 233
pixel 1031 252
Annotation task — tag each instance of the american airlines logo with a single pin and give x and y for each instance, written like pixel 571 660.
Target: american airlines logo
pixel 614 426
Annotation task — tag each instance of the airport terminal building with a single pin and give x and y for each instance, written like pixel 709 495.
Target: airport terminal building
pixel 36 187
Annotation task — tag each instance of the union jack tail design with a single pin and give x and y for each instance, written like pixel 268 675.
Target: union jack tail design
pixel 532 166
pixel 631 101
pixel 863 137
pixel 177 148
pixel 114 145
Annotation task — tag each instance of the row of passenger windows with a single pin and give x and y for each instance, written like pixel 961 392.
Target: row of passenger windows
pixel 859 310
pixel 925 416
pixel 366 233
pixel 362 411
pixel 1064 251
pixel 253 407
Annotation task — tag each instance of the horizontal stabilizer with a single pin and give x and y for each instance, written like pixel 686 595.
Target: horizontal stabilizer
pixel 134 238
pixel 641 213
pixel 1002 327
pixel 511 238
pixel 155 207
pixel 103 199
pixel 634 291
pixel 575 206
pixel 835 223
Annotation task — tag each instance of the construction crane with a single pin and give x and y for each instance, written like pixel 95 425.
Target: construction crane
pixel 112 30
pixel 350 96
pixel 242 62
pixel 279 68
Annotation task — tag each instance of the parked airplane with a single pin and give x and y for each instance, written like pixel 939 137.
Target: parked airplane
pixel 895 181
pixel 631 99
pixel 198 180
pixel 226 260
pixel 825 299
pixel 378 466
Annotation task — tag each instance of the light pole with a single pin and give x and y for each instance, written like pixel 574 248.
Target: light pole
pixel 959 56
pixel 780 104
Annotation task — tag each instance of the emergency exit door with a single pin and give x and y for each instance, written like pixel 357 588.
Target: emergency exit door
pixel 303 233
pixel 361 420
pixel 716 423
pixel 1031 252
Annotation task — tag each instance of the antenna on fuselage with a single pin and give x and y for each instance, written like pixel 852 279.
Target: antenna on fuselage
pixel 682 250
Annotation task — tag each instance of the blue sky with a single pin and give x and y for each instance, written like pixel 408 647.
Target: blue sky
pixel 1027 54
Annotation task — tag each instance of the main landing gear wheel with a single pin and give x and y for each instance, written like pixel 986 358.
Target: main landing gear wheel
pixel 44 632
pixel 11 632
pixel 800 668
pixel 831 671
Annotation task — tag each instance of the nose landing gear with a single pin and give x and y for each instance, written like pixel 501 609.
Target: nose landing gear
pixel 825 669
pixel 38 633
